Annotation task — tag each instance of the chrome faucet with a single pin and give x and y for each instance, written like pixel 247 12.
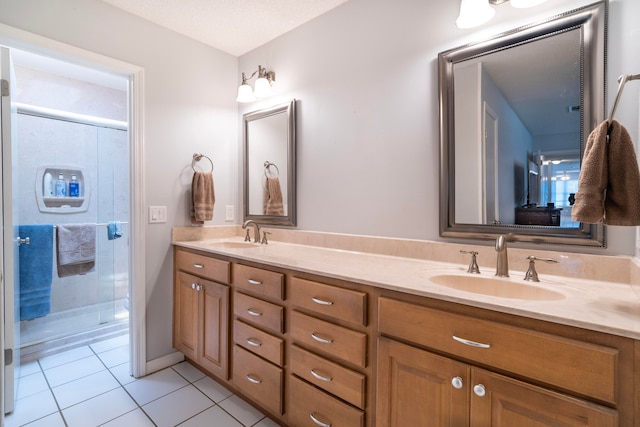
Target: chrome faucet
pixel 502 263
pixel 256 231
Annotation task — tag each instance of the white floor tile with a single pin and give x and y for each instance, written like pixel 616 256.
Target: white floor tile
pixel 115 356
pixel 214 416
pixel 151 387
pixel 100 409
pixel 267 422
pixel 72 371
pixel 27 369
pixel 212 389
pixel 188 371
pixel 135 418
pixel 178 406
pixel 65 357
pixel 121 372
pixel 85 388
pixel 31 384
pixel 110 344
pixel 53 420
pixel 241 410
pixel 32 408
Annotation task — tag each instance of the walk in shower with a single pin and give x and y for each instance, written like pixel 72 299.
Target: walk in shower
pixel 71 123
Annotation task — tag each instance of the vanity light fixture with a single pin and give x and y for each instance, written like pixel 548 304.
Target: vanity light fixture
pixel 262 86
pixel 474 13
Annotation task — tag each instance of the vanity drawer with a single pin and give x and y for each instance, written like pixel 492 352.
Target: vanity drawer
pixel 337 380
pixel 259 342
pixel 348 345
pixel 307 403
pixel 203 266
pixel 578 366
pixel 340 303
pixel 258 379
pixel 254 310
pixel 257 280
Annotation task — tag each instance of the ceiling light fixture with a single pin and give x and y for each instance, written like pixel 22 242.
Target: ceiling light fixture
pixel 474 13
pixel 262 86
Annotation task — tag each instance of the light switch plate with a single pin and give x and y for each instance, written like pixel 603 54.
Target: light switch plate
pixel 157 214
pixel 229 213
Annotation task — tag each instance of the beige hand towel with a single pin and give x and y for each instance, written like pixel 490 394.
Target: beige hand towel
pixel 76 247
pixel 202 197
pixel 609 183
pixel 273 202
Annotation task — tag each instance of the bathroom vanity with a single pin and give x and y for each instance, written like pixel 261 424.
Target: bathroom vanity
pixel 317 337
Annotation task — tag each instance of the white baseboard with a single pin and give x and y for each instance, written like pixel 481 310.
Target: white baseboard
pixel 164 362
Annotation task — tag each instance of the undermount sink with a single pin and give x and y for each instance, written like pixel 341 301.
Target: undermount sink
pixel 496 287
pixel 233 245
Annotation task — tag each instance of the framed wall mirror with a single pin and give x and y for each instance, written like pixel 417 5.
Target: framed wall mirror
pixel 269 142
pixel 515 114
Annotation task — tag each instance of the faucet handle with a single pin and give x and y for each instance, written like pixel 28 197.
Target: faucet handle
pixel 473 266
pixel 264 238
pixel 531 275
pixel 247 238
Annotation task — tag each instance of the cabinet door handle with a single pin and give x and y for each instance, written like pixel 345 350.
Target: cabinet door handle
pixel 479 390
pixel 254 342
pixel 320 377
pixel 254 282
pixel 198 266
pixel 320 301
pixel 320 339
pixel 457 383
pixel 317 421
pixel 193 286
pixel 471 343
pixel 252 312
pixel 198 288
pixel 253 379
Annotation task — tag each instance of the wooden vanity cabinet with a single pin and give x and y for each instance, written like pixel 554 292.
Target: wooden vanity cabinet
pixel 503 375
pixel 201 304
pixel 258 340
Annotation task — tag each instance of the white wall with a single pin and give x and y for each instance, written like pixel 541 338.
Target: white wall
pixel 366 76
pixel 189 107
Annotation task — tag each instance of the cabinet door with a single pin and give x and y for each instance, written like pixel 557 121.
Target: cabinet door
pixel 414 388
pixel 505 402
pixel 213 332
pixel 185 320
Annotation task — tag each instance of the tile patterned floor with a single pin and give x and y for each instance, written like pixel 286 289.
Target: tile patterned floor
pixel 91 386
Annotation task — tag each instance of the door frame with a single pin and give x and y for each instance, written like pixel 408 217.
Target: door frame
pixel 23 40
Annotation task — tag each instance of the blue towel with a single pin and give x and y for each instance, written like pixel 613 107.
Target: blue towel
pixel 36 271
pixel 114 230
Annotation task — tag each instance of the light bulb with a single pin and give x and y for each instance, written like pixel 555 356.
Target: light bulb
pixel 245 94
pixel 263 88
pixel 474 13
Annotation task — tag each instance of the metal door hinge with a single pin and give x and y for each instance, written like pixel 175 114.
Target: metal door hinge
pixel 4 87
pixel 8 356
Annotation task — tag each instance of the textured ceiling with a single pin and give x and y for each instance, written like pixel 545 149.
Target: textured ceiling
pixel 233 26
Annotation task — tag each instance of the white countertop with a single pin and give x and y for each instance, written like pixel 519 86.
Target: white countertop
pixel 609 307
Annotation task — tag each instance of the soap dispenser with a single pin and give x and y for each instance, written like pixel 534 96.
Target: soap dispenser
pixel 61 186
pixel 74 186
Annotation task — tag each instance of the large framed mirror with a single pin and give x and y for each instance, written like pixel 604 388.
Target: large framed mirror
pixel 269 143
pixel 515 113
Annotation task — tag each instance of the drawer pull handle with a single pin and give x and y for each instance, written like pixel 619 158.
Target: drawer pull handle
pixel 317 421
pixel 457 383
pixel 254 282
pixel 198 266
pixel 252 312
pixel 193 286
pixel 254 342
pixel 254 380
pixel 471 343
pixel 320 377
pixel 479 390
pixel 320 339
pixel 320 301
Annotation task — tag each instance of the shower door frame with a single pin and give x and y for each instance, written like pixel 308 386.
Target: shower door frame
pixel 19 39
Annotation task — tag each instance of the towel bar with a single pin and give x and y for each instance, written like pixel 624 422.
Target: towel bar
pixel 197 157
pixel 621 80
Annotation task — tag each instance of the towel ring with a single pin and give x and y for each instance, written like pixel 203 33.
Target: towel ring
pixel 267 165
pixel 197 157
